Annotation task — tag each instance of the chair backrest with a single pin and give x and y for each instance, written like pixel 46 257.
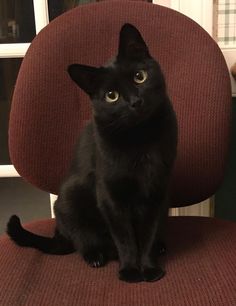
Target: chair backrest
pixel 48 110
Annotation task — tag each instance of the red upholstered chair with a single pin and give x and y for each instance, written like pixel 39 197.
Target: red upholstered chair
pixel 48 112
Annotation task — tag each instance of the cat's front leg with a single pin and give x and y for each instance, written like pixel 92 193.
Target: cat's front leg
pixel 159 245
pixel 147 232
pixel 122 232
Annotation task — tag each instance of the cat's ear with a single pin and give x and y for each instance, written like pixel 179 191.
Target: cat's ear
pixel 131 44
pixel 86 77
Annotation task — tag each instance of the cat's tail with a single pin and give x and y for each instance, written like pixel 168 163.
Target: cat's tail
pixel 57 245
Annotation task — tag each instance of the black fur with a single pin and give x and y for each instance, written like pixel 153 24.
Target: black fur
pixel 114 202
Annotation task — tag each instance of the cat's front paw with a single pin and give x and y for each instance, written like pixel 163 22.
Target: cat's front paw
pixel 95 259
pixel 152 274
pixel 130 275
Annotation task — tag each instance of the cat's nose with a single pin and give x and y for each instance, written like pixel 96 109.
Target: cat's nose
pixel 136 102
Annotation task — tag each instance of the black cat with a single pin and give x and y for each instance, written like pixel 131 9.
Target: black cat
pixel 114 203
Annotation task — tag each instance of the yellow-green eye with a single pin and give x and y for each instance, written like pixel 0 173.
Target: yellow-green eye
pixel 140 76
pixel 111 96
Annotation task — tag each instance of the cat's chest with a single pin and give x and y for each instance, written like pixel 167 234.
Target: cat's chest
pixel 147 167
pixel 145 160
pixel 132 180
pixel 144 169
pixel 140 164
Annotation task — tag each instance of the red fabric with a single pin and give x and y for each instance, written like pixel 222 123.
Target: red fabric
pixel 200 270
pixel 48 110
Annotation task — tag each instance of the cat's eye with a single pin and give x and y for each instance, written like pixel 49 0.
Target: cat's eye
pixel 140 76
pixel 111 96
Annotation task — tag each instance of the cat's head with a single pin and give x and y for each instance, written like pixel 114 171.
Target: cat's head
pixel 129 89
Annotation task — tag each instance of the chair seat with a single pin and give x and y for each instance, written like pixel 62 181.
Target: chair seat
pixel 200 270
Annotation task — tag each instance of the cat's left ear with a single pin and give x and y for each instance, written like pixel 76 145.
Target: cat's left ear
pixel 86 77
pixel 131 44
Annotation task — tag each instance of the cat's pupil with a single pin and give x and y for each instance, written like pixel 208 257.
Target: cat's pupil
pixel 111 95
pixel 139 75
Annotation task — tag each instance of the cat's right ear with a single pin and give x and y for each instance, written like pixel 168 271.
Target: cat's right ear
pixel 132 44
pixel 86 77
